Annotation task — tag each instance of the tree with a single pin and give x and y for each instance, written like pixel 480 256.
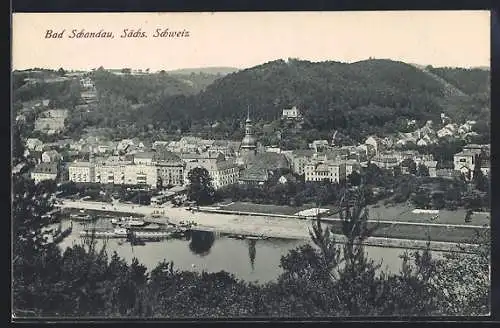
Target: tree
pixel 200 187
pixel 478 178
pixel 468 216
pixel 421 199
pixel 412 168
pixel 354 179
pixel 423 171
pixel 463 278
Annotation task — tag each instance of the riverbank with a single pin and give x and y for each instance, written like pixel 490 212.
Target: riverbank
pixel 275 227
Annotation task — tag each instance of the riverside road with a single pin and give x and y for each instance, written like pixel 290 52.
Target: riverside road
pixel 274 227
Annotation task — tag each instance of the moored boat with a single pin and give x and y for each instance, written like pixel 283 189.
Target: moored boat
pixel 82 217
pixel 125 233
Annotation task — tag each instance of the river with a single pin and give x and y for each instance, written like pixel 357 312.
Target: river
pixel 250 260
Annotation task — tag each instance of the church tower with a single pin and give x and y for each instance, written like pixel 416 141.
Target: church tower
pixel 248 147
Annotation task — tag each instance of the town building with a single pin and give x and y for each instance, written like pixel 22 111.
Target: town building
pixel 448 173
pixel 86 83
pixel 292 113
pixel 464 161
pixel 319 145
pixel 51 156
pixel 254 175
pixel 125 172
pixel 444 132
pixel 385 162
pixel 89 96
pixel 81 172
pixel 145 158
pixel 170 168
pixel 299 159
pixel 332 171
pixel 431 165
pixel 45 171
pixel 223 172
pixel 375 142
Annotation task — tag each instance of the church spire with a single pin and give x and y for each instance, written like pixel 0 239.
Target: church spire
pixel 248 114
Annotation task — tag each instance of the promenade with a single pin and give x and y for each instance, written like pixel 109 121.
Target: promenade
pixel 273 227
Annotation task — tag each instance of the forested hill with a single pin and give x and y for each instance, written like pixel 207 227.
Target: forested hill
pixel 204 70
pixel 357 96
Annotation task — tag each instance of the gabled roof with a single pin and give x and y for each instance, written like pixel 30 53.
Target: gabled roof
pixel 144 154
pixel 48 168
pixel 166 156
pixel 269 161
pixel 254 174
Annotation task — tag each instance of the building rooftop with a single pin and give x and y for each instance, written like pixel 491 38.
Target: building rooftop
pixel 144 154
pixel 48 168
pixel 468 152
pixel 254 174
pixel 80 164
pixel 166 156
pixel 269 161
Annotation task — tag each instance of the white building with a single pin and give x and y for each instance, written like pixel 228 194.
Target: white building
pixel 291 113
pixel 299 159
pixel 319 145
pixel 444 132
pixel 223 172
pixel 464 161
pixel 332 171
pixel 422 143
pixel 375 142
pixel 125 172
pixel 81 172
pixel 44 171
pixel 431 165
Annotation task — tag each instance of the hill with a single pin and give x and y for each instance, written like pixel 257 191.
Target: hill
pixel 360 98
pixel 204 70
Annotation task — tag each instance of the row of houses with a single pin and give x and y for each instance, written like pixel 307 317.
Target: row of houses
pixel 154 169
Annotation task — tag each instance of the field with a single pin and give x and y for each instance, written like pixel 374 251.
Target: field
pixel 416 232
pixel 403 213
pixel 272 209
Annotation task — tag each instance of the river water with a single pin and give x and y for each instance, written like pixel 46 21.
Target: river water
pixel 251 260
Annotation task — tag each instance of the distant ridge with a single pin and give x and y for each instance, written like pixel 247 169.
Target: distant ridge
pixel 206 70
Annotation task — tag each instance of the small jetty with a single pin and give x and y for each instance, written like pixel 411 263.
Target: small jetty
pixel 132 234
pixel 249 237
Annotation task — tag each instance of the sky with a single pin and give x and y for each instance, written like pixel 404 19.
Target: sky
pixel 242 40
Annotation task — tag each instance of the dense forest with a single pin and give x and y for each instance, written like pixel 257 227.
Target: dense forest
pixel 470 81
pixel 358 99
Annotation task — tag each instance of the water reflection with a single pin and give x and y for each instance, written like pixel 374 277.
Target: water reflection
pixel 252 252
pixel 201 242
